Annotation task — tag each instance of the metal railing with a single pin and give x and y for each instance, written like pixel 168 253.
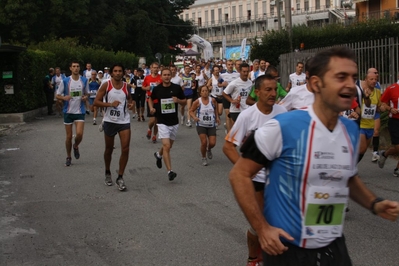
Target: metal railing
pixel 382 54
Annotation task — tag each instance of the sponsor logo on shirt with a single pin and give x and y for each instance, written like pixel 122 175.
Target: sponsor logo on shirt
pixel 334 177
pixel 344 149
pixel 323 155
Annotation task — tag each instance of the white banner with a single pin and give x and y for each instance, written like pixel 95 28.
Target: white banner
pixel 243 45
pixel 203 44
pixel 224 47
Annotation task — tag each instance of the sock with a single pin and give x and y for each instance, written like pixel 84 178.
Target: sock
pixel 376 143
pixel 107 172
pixel 170 171
pixel 159 156
pixel 119 176
pixel 360 157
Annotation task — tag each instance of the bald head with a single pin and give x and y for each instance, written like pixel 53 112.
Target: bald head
pixel 372 71
pixel 371 79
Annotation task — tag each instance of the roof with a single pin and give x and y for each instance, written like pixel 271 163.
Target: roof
pixel 207 2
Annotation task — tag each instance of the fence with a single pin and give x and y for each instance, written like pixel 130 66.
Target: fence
pixel 382 54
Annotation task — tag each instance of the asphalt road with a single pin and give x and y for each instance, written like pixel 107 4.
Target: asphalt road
pixel 56 215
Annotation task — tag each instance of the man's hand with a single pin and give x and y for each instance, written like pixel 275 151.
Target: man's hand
pixel 269 240
pixel 115 103
pixel 387 209
pixel 67 97
pixel 175 99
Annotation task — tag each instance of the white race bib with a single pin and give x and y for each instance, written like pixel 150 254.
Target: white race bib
pixel 369 112
pixel 168 106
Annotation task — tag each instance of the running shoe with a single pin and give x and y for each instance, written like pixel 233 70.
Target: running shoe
pixel 142 118
pixel 382 159
pixel 120 183
pixel 76 153
pixel 396 172
pixel 68 161
pixel 149 132
pixel 108 180
pixel 209 154
pixel 172 175
pixel 204 162
pixel 154 139
pixel 139 118
pixel 87 112
pixel 94 122
pixel 375 156
pixel 101 128
pixel 182 120
pixel 133 116
pixel 188 124
pixel 159 160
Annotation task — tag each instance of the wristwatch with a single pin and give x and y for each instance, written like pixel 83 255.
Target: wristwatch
pixel 376 200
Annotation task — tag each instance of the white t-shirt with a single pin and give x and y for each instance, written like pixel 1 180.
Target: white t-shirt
pixel 177 80
pixel 237 88
pixel 297 80
pixel 298 98
pixel 229 77
pixel 76 89
pixel 200 80
pixel 248 121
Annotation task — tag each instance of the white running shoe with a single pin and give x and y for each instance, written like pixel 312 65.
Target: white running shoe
pixel 375 156
pixel 182 120
pixel 188 123
pixel 204 162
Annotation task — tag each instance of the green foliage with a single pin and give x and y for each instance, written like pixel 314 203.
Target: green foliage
pixel 143 27
pixel 275 43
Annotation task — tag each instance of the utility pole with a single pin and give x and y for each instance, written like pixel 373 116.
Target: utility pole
pixel 288 21
pixel 278 13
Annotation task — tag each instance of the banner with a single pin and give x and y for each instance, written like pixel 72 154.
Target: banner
pixel 234 52
pixel 242 52
pixel 203 44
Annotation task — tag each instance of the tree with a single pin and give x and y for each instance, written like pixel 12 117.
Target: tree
pixel 139 26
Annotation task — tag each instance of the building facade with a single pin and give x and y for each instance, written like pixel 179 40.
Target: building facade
pixel 238 19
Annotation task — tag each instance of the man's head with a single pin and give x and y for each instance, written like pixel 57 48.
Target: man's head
pixel 117 71
pixel 374 71
pixel 187 69
pixel 266 89
pixel 51 71
pixel 299 68
pixel 173 70
pixel 371 80
pixel 154 68
pixel 332 76
pixel 230 65
pixel 88 66
pixel 166 76
pixel 106 69
pixel 272 70
pixel 237 64
pixel 140 72
pixel 74 67
pixel 215 70
pixel 255 65
pixel 58 71
pixel 244 71
pixel 262 65
pixel 100 73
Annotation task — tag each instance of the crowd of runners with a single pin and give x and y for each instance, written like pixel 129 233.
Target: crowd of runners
pixel 294 148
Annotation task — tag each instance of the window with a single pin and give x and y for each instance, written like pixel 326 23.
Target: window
pixel 249 14
pixel 220 15
pixel 193 16
pixel 187 17
pixel 327 3
pixel 271 10
pixel 240 11
pixel 226 18
pixel 212 16
pixel 233 12
pixel 264 8
pixel 199 22
pixel 317 4
pixel 256 10
pixel 298 4
pixel 281 3
pixel 307 5
pixel 206 17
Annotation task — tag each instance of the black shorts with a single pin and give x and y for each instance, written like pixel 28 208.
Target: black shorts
pixel 334 254
pixel 233 116
pixel 226 103
pixel 209 131
pixel 189 96
pixel 219 99
pixel 148 112
pixel 139 97
pixel 393 128
pixel 111 129
pixel 259 186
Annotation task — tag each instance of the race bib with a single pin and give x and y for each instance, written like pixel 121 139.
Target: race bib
pixel 139 83
pixel 132 90
pixel 168 106
pixel 93 93
pixel 216 88
pixel 116 112
pixel 325 212
pixel 369 112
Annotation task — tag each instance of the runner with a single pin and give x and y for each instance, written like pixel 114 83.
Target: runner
pixel 204 113
pixel 248 121
pixel 139 95
pixel 163 103
pixel 303 192
pixel 55 81
pixel 74 91
pixel 297 78
pixel 116 121
pixel 229 76
pixel 215 84
pixel 149 83
pixel 94 85
pixel 188 92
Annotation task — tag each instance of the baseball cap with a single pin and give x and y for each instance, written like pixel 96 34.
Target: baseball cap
pixel 100 72
pixel 106 68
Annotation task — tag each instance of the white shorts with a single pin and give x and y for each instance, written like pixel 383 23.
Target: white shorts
pixel 167 132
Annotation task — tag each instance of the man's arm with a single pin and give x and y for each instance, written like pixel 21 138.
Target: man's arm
pixel 363 196
pixel 98 101
pixel 230 150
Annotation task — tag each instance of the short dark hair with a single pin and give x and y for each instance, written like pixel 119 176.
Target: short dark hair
pixel 74 62
pixel 299 63
pixel 320 62
pixel 117 65
pixel 270 69
pixel 259 80
pixel 163 70
pixel 244 65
